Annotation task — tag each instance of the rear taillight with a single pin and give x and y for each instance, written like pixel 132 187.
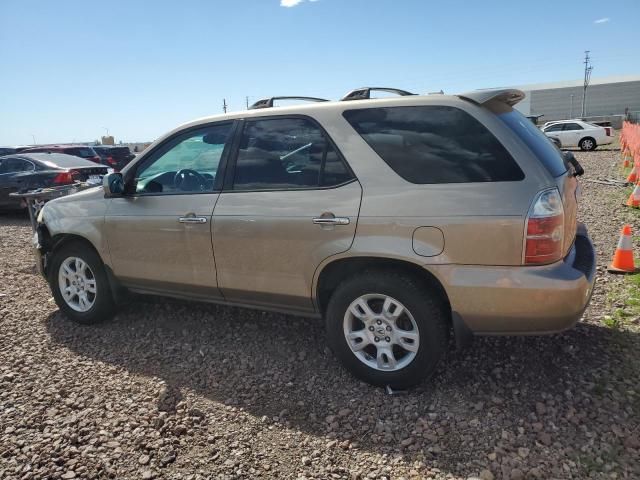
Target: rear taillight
pixel 544 231
pixel 111 161
pixel 608 130
pixel 65 178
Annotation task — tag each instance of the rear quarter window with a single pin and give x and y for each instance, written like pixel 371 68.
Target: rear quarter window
pixel 538 142
pixel 434 144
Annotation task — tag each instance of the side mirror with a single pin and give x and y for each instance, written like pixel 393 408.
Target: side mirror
pixel 113 185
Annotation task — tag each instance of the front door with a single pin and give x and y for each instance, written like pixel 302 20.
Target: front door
pixel 290 201
pixel 159 233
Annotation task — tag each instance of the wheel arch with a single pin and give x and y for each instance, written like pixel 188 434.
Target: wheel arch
pixel 334 272
pixel 588 137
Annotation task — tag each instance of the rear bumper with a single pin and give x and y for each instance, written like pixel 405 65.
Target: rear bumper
pixel 524 300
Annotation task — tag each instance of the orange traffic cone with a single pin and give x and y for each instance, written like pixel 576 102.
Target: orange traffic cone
pixel 626 163
pixel 623 258
pixel 634 198
pixel 633 176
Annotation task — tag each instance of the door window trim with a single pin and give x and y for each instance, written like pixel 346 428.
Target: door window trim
pixel 33 165
pixel 233 157
pixel 171 142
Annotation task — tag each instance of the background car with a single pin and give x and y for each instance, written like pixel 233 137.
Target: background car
pixel 81 151
pixel 22 172
pixel 576 133
pixel 11 150
pixel 116 157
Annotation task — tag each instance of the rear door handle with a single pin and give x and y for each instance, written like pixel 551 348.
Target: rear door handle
pixel 192 219
pixel 331 221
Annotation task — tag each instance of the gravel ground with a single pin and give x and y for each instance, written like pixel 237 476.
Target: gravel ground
pixel 171 390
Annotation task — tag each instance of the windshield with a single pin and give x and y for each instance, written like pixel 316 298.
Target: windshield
pixel 537 141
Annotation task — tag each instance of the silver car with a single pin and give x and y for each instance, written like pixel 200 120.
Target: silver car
pixel 399 221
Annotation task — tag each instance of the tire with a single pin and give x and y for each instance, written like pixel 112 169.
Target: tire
pixel 99 304
pixel 429 317
pixel 587 144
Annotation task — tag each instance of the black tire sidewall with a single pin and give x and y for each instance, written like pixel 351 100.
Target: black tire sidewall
pixel 103 306
pixel 426 308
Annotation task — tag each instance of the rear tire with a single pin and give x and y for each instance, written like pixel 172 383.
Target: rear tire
pixel 587 144
pixel 80 285
pixel 402 340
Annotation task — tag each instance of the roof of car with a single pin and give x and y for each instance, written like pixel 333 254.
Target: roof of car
pixel 55 159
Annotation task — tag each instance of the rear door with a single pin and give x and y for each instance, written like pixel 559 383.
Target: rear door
pixel 571 134
pixel 289 202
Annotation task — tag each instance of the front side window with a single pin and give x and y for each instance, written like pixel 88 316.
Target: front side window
pixel 287 153
pixel 554 128
pixel 434 144
pixel 187 164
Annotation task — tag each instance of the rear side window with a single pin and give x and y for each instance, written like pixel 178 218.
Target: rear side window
pixel 435 144
pixel 287 153
pixel 537 141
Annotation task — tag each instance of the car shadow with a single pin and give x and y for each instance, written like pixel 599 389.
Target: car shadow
pixel 279 367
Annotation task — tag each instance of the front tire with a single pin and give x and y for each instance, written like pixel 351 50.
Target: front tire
pixel 587 144
pixel 387 328
pixel 79 284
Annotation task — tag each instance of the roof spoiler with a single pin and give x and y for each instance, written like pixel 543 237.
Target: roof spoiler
pixel 510 96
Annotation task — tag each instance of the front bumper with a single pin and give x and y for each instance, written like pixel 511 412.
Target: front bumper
pixel 524 300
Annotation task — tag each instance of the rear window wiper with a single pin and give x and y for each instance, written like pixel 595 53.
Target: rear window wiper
pixel 570 159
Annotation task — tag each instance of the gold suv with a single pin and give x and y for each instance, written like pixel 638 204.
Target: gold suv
pixel 397 220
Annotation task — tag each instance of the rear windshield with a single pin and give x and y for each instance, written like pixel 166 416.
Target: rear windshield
pixel 537 141
pixel 80 152
pixel 120 151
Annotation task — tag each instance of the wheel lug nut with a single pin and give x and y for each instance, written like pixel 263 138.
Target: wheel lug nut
pixel 376 339
pixel 388 328
pixel 379 322
pixel 387 339
pixel 371 328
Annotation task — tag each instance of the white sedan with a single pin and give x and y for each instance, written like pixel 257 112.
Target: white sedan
pixel 576 133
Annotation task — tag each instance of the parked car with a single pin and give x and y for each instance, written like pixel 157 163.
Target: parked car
pixel 81 151
pixel 576 133
pixel 10 150
pixel 116 157
pixel 22 172
pixel 397 220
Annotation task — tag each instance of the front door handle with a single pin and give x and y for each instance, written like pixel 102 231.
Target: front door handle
pixel 331 220
pixel 193 219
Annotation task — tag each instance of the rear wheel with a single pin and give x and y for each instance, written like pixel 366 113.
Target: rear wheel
pixel 79 284
pixel 387 328
pixel 587 144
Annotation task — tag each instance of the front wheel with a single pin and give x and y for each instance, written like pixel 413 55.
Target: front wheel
pixel 79 284
pixel 387 328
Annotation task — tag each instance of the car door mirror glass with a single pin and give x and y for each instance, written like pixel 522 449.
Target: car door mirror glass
pixel 113 185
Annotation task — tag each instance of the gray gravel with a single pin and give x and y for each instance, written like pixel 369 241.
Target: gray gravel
pixel 173 390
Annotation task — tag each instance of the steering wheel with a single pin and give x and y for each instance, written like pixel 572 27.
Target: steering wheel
pixel 183 176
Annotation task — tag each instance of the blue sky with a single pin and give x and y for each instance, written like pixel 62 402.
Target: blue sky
pixel 70 67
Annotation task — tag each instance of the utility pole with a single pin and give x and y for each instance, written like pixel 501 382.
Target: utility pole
pixel 224 105
pixel 247 99
pixel 587 78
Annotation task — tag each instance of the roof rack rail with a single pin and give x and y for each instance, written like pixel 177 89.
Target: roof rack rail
pixel 268 102
pixel 364 93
